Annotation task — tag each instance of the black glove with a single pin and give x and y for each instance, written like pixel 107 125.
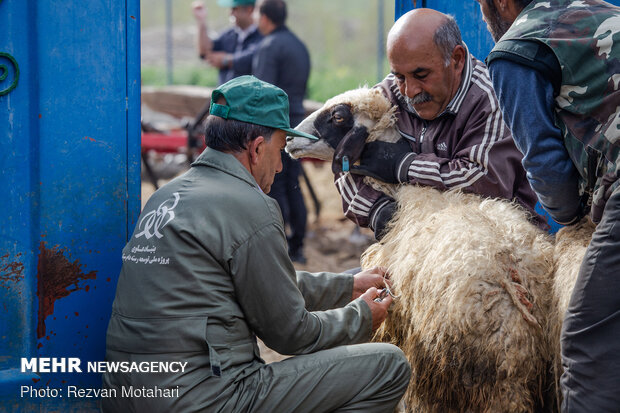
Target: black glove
pixel 382 217
pixel 381 160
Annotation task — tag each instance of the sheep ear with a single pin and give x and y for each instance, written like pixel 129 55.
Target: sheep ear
pixel 351 146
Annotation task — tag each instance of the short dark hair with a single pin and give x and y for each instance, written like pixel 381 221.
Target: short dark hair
pixel 275 10
pixel 229 135
pixel 447 37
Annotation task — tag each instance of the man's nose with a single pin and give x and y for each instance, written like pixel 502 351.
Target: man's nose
pixel 412 88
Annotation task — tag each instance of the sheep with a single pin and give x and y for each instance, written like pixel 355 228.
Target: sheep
pixel 474 276
pixel 371 118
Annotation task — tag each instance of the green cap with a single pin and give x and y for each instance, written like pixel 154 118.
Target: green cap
pixel 235 3
pixel 251 100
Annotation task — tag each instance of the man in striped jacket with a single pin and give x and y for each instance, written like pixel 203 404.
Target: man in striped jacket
pixel 453 133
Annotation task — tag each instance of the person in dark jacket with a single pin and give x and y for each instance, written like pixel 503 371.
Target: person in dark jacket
pixel 453 133
pixel 283 60
pixel 206 271
pixel 232 50
pixel 555 71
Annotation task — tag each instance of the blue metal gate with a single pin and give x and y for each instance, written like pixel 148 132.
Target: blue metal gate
pixel 70 184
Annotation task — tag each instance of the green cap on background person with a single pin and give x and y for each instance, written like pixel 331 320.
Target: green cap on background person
pixel 235 3
pixel 251 100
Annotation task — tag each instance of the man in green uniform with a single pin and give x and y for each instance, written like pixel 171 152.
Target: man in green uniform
pixel 207 271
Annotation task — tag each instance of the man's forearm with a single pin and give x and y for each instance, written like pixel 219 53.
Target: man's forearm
pixel 528 105
pixel 205 45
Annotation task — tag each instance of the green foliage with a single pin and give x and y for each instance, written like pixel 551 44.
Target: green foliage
pixel 341 37
pixel 327 82
pixel 182 75
pixel 323 83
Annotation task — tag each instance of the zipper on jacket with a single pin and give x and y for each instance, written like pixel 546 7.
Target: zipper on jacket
pixel 421 140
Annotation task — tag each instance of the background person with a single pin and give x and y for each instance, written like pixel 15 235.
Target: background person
pixel 556 76
pixel 283 60
pixel 453 133
pixel 233 49
pixel 206 271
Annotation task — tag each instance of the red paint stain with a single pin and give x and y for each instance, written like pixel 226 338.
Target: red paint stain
pixel 76 314
pixel 90 139
pixel 10 271
pixel 39 345
pixel 133 17
pixel 36 380
pixel 57 278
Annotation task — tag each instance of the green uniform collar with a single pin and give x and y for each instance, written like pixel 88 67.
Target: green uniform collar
pixel 225 162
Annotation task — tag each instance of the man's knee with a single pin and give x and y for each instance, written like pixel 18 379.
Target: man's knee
pixel 396 365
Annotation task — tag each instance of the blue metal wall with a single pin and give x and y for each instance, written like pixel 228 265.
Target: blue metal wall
pixel 467 15
pixel 70 184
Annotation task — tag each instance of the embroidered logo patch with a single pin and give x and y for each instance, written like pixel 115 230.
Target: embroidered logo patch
pixel 157 219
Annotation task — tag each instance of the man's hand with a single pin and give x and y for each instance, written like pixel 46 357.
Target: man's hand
pixel 379 309
pixel 381 160
pixel 382 217
pixel 199 10
pixel 372 277
pixel 221 60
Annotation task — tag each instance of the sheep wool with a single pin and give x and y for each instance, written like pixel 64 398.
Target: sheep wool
pixel 474 279
pixel 482 291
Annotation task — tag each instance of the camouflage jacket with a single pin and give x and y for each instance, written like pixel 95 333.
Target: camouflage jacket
pixel 581 35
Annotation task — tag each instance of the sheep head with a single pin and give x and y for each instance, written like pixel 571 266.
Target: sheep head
pixel 343 125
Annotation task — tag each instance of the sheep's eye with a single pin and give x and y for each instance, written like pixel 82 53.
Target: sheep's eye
pixel 337 118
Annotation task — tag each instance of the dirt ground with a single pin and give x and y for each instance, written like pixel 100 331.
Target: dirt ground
pixel 332 243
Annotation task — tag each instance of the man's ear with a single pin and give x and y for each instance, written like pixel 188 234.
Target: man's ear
pixel 459 55
pixel 500 4
pixel 256 148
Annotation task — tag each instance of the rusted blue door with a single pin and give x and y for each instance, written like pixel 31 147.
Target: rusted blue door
pixel 69 152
